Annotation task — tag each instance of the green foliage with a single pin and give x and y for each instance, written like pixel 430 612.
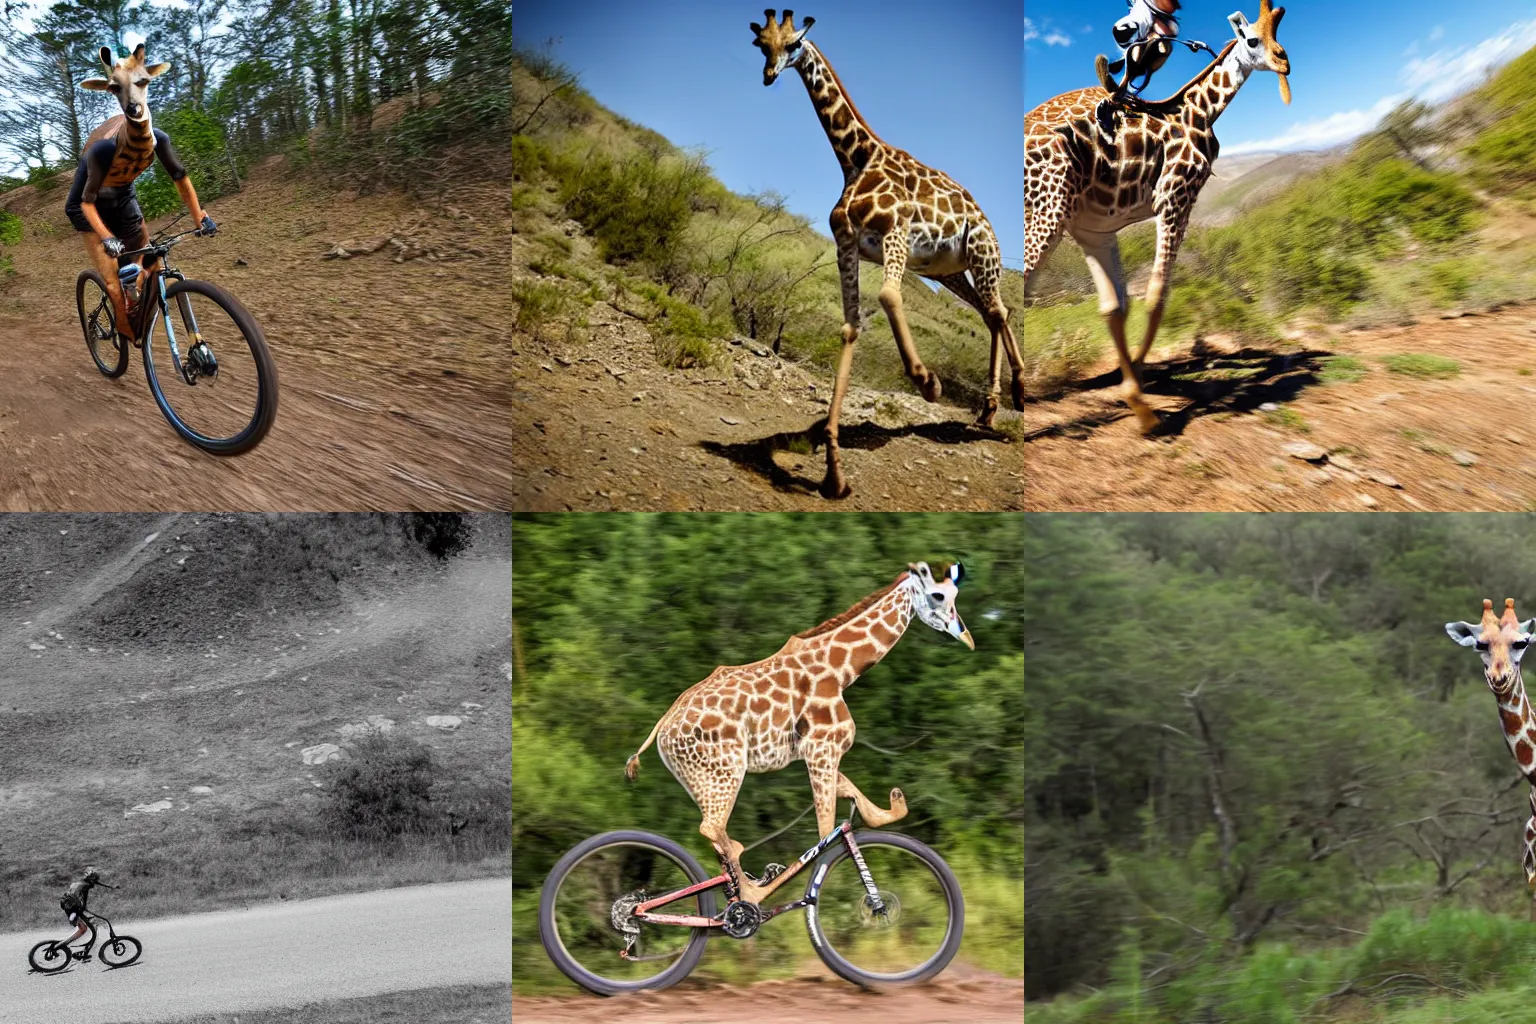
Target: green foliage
pixel 538 303
pixel 616 616
pixel 199 141
pixel 444 534
pixel 1450 281
pixel 1342 370
pixel 1287 419
pixel 1279 794
pixel 1422 365
pixel 637 207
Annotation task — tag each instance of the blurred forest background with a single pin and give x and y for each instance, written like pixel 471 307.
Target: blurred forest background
pixel 368 93
pixel 1262 784
pixel 615 615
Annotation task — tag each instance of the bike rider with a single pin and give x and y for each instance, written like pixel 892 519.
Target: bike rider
pixel 102 203
pixel 73 904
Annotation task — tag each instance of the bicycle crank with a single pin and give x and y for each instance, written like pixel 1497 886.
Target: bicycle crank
pixel 742 920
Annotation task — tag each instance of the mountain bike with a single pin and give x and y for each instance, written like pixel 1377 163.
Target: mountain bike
pixel 221 395
pixel 53 955
pixel 631 910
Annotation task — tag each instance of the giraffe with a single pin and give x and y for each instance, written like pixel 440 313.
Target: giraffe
pixel 1502 643
pixel 789 706
pixel 902 215
pixel 1079 180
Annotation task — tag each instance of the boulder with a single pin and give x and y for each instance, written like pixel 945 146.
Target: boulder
pixel 447 723
pixel 321 753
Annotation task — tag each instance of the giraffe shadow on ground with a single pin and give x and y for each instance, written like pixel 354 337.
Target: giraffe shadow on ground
pixel 1211 383
pixel 758 456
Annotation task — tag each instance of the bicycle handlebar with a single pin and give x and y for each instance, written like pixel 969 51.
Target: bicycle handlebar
pixel 161 247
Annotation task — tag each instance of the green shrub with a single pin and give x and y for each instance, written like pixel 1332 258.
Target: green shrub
pixel 199 141
pixel 1422 365
pixel 1450 281
pixel 1342 370
pixel 636 207
pixel 538 303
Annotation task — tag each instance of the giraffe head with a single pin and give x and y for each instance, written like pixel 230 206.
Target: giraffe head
pixel 780 43
pixel 933 600
pixel 1501 642
pixel 128 80
pixel 1257 47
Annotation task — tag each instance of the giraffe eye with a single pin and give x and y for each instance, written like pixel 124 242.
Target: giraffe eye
pixel 937 597
pixel 1518 645
pixel 1481 645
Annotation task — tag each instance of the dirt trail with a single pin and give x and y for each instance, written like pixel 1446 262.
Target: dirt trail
pixel 601 426
pixel 1463 443
pixel 393 390
pixel 960 996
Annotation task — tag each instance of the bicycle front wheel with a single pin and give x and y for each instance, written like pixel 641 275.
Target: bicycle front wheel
pixel 120 951
pixel 915 933
pixel 217 385
pixel 48 957
pixel 98 320
pixel 591 893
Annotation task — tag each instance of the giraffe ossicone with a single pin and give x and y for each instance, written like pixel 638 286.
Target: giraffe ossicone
pixel 1502 641
pixel 1079 180
pixel 902 215
pixel 789 706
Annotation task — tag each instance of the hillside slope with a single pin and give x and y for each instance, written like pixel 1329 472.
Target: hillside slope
pixel 393 385
pixel 169 672
pixel 675 341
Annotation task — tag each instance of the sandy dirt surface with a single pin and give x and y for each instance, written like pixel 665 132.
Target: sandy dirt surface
pixel 960 995
pixel 601 426
pixel 393 380
pixel 1388 441
pixel 458 933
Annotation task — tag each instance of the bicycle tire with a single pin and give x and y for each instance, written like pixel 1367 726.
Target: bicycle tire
pixel 266 371
pixel 594 983
pixel 52 961
pixel 929 968
pixel 108 368
pixel 115 951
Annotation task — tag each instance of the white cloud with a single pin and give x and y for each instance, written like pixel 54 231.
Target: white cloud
pixel 1437 33
pixel 1050 37
pixel 1054 38
pixel 1433 78
pixel 1030 32
pixel 1444 73
pixel 1330 131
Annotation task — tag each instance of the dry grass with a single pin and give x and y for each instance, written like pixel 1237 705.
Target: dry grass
pixel 459 1004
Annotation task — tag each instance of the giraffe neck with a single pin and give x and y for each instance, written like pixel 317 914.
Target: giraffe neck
pixel 853 141
pixel 137 130
pixel 1211 97
pixel 1519 729
pixel 853 648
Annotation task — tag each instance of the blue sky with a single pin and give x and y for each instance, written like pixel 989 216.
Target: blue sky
pixel 1351 61
pixel 940 81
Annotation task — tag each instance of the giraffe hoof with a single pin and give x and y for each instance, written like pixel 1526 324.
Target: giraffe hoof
pixel 929 385
pixel 1018 393
pixel 835 488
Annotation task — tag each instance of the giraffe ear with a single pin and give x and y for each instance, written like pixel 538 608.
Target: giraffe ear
pixel 1463 633
pixel 106 57
pixel 155 70
pixel 1527 626
pixel 95 84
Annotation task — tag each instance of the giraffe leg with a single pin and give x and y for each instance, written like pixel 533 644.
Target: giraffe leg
pixel 1530 853
pixel 1103 255
pixel 824 791
pixel 961 286
pixel 894 250
pixel 1171 225
pixel 872 814
pixel 833 486
pixel 716 803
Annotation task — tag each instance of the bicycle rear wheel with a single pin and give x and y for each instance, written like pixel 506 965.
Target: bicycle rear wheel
pixel 916 934
pixel 595 886
pixel 48 957
pixel 120 951
pixel 218 387
pixel 98 320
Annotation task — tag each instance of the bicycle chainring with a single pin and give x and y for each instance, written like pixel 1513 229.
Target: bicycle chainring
pixel 742 920
pixel 623 914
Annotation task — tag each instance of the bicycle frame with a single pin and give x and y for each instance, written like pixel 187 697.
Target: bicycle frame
pixel 732 887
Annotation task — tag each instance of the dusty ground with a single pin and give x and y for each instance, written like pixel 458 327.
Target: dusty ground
pixel 1463 443
pixel 959 996
pixel 393 380
pixel 602 426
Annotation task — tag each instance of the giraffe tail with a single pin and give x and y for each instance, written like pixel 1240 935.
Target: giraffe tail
pixel 632 766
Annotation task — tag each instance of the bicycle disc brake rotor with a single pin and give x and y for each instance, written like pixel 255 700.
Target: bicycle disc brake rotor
pixel 891 915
